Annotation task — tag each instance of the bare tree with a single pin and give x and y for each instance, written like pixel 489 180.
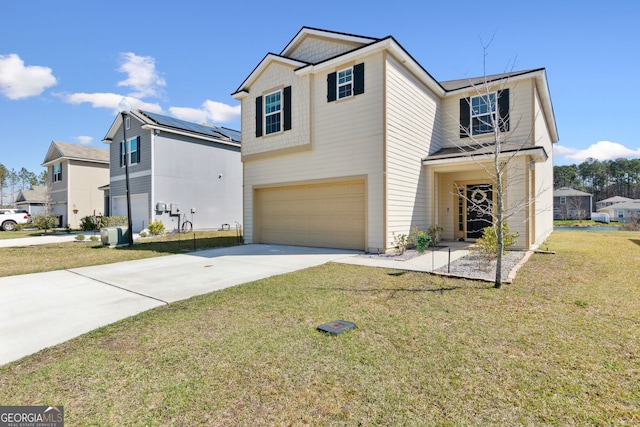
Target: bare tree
pixel 487 137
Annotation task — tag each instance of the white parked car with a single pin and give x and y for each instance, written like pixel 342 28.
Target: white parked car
pixel 9 218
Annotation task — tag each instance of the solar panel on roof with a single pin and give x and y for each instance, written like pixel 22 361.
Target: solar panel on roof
pixel 193 127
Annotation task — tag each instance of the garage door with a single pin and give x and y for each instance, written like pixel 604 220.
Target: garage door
pixel 324 215
pixel 139 210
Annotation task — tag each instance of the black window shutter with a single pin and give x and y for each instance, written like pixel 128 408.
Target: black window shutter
pixel 122 145
pixel 139 154
pixel 465 118
pixel 258 117
pixel 331 87
pixel 358 79
pixel 503 109
pixel 287 108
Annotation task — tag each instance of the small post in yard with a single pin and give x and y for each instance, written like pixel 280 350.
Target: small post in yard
pixel 449 261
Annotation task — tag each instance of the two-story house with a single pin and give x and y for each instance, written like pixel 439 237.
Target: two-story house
pixel 569 203
pixel 74 173
pixel 178 171
pixel 348 140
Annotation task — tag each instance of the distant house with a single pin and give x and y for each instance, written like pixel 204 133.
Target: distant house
pixel 32 200
pixel 348 141
pixel 569 203
pixel 74 174
pixel 622 211
pixel 611 201
pixel 179 171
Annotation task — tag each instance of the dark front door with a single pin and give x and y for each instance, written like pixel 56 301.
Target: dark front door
pixel 479 206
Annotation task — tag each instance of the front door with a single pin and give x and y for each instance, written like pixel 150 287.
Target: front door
pixel 479 207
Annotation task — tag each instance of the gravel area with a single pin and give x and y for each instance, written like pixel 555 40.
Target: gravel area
pixel 474 266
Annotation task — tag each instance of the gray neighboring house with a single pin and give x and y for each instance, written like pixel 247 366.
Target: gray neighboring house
pixel 33 200
pixel 178 171
pixel 569 203
pixel 622 211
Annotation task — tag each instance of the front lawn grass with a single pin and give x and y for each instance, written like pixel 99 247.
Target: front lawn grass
pixel 559 346
pixel 60 256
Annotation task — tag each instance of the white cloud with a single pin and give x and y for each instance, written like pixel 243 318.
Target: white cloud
pixel 82 139
pixel 18 81
pixel 213 111
pixel 143 76
pixel 109 100
pixel 601 150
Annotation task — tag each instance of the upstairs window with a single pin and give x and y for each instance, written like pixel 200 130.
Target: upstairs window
pixel 133 147
pixel 345 83
pixel 57 172
pixel 480 114
pixel 483 113
pixel 272 112
pixel 563 200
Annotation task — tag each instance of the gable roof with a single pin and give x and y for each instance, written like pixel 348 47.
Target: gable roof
pixel 568 192
pixel 64 151
pixel 155 121
pixel 615 199
pixel 628 205
pixel 37 194
pixel 364 45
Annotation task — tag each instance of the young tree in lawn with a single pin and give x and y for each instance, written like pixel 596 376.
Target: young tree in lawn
pixel 488 135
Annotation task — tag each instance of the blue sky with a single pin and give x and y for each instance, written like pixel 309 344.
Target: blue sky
pixel 65 65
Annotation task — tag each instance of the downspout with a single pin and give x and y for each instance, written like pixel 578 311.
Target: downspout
pixel 153 176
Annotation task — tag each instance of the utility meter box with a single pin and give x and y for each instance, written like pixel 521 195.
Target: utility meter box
pixel 175 209
pixel 161 207
pixel 114 236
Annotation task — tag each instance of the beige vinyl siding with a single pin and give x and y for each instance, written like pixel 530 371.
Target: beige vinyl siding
pixel 314 49
pixel 83 189
pixel 413 132
pixel 520 122
pixel 346 142
pixel 543 176
pixel 276 77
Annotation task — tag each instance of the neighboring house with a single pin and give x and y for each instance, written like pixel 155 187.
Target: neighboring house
pixel 611 201
pixel 178 171
pixel 74 174
pixel 569 203
pixel 348 140
pixel 623 211
pixel 33 200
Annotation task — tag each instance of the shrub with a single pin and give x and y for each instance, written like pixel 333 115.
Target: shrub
pixel 143 234
pixel 81 237
pixel 19 227
pixel 400 242
pixel 423 240
pixel 89 223
pixel 113 221
pixel 156 228
pixel 94 238
pixel 434 232
pixel 632 225
pixel 44 221
pixel 487 245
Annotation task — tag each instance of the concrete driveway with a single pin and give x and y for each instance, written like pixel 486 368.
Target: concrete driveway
pixel 44 309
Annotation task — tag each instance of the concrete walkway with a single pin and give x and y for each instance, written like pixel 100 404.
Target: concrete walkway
pixel 44 309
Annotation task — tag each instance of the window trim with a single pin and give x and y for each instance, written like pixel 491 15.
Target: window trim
pixel 350 83
pixel 279 112
pixel 56 176
pixel 492 115
pixel 563 200
pixel 123 152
